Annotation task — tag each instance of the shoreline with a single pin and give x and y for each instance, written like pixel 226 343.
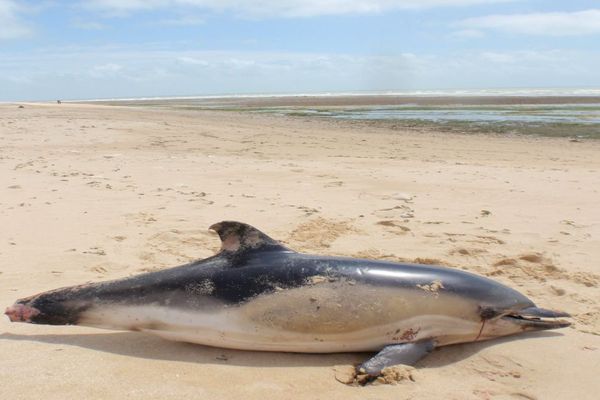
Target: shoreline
pixel 565 130
pixel 504 115
pixel 359 100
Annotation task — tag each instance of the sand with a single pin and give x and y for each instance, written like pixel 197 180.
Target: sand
pixel 92 192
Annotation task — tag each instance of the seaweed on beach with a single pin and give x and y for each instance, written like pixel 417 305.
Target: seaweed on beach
pixel 577 121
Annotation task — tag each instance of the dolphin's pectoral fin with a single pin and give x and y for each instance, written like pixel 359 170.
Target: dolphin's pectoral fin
pixel 237 237
pixel 405 353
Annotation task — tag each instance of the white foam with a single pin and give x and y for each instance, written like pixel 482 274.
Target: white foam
pixel 525 92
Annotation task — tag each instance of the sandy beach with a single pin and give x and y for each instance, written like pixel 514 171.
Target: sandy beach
pixel 95 192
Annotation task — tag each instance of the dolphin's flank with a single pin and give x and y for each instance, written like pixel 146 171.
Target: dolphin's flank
pixel 256 294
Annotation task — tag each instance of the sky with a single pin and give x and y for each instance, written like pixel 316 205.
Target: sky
pixel 56 49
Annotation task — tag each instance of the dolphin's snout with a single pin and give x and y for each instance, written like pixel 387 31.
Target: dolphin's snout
pixel 21 313
pixel 537 319
pixel 537 312
pixel 527 319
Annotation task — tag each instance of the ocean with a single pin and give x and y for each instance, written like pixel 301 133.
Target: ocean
pixel 561 112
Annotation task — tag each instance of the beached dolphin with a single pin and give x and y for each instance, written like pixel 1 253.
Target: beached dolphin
pixel 257 294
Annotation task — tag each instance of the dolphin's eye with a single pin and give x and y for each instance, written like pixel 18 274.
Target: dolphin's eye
pixel 488 312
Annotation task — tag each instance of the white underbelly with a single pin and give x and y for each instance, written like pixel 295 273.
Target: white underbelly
pixel 444 329
pixel 233 328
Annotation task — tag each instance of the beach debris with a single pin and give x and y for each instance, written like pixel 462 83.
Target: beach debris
pixel 393 375
pixel 396 374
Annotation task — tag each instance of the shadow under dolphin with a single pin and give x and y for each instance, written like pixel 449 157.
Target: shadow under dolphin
pixel 150 347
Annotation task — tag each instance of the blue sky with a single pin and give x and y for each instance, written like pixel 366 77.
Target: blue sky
pixel 129 48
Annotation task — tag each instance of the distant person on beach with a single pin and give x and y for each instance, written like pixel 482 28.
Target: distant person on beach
pixel 58 102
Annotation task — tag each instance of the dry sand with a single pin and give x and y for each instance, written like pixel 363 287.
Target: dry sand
pixel 92 192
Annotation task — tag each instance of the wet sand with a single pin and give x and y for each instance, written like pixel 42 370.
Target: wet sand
pixel 92 192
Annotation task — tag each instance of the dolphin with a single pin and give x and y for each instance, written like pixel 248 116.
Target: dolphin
pixel 256 294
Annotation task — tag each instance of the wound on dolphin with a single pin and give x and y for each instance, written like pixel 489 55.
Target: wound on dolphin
pixel 256 294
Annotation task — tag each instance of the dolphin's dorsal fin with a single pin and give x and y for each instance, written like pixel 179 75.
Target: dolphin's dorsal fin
pixel 237 237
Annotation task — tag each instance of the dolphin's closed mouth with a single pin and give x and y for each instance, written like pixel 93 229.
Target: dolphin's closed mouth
pixel 538 318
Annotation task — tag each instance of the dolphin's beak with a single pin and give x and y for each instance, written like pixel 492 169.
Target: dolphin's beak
pixel 523 320
pixel 534 318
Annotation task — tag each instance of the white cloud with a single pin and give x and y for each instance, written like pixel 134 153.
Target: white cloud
pixel 87 25
pixel 549 24
pixel 11 26
pixel 105 70
pixel 185 20
pixel 468 33
pixel 281 8
pixel 193 61
pixel 500 57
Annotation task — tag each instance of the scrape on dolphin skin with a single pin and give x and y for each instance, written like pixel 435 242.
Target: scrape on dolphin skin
pixel 256 294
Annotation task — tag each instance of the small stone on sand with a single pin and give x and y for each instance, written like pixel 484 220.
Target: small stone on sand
pixel 345 374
